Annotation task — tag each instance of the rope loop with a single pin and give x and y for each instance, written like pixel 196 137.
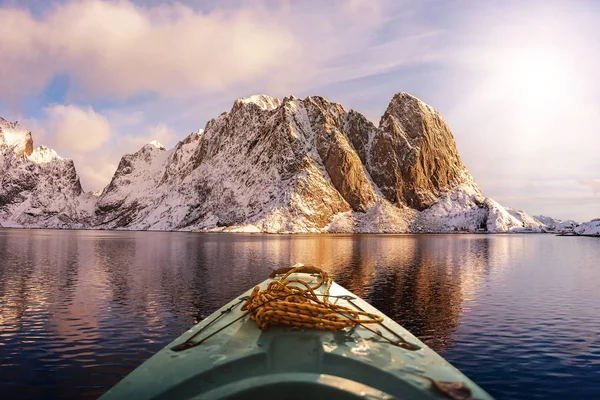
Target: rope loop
pixel 294 302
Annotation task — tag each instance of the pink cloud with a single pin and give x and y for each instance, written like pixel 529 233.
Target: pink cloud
pixel 118 49
pixel 78 130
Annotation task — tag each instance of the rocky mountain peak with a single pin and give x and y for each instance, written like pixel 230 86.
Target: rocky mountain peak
pixel 5 124
pixel 37 187
pixel 414 154
pixel 156 144
pixel 13 135
pixel 261 100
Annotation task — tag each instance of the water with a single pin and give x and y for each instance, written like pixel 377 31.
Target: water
pixel 519 314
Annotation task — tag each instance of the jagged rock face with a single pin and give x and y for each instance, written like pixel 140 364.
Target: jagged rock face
pixel 119 203
pixel 337 154
pixel 289 162
pixel 413 155
pixel 361 132
pixel 17 179
pixel 259 159
pixel 180 163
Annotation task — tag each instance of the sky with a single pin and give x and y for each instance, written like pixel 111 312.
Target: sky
pixel 517 81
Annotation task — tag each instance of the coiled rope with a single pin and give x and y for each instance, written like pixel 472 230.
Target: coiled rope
pixel 294 302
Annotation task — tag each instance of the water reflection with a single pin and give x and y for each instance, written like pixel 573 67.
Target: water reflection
pixel 80 309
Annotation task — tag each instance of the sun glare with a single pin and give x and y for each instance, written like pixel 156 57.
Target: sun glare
pixel 538 80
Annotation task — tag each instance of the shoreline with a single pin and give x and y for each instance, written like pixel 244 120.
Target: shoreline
pixel 299 233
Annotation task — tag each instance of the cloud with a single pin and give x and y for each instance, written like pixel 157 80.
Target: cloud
pixel 96 172
pixel 83 134
pixel 592 184
pixel 119 49
pixel 76 129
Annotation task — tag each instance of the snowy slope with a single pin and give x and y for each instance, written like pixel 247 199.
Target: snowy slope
pixel 528 222
pixel 566 226
pixel 589 228
pixel 458 210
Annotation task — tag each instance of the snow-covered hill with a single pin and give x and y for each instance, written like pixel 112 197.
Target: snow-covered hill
pixel 268 165
pixel 590 228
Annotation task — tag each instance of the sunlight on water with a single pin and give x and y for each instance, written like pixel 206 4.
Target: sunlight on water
pixel 80 309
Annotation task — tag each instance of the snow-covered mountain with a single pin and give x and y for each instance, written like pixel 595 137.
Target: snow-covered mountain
pixel 548 222
pixel 37 187
pixel 268 165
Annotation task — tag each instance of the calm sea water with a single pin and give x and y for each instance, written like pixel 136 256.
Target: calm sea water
pixel 519 314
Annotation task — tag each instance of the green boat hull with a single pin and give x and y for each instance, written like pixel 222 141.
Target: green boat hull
pixel 230 358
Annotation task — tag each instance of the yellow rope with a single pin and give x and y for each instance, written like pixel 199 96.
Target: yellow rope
pixel 294 302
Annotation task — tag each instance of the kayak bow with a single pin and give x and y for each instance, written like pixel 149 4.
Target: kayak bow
pixel 334 345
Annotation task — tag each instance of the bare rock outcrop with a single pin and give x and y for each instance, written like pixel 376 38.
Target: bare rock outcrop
pixel 342 162
pixel 413 156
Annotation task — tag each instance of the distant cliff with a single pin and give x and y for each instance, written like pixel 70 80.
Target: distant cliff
pixel 267 165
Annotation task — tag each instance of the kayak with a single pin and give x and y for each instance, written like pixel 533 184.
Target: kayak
pixel 227 355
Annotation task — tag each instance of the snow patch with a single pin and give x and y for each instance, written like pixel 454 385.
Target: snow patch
pixel 43 154
pixel 263 101
pixel 384 217
pixel 341 223
pixel 14 137
pixel 500 220
pixel 527 221
pixel 156 144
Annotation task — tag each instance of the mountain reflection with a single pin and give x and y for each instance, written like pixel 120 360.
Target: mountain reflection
pixel 153 279
pixel 93 299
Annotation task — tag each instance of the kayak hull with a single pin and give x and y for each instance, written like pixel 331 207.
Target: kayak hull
pixel 230 358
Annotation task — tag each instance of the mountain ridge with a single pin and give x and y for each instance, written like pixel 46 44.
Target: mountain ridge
pixel 270 165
